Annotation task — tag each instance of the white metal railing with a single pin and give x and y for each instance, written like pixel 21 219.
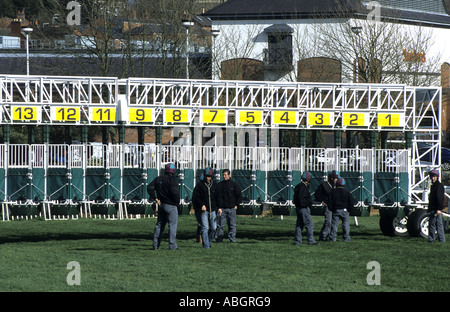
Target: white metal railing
pixel 19 156
pixel 390 160
pixel 2 155
pixel 57 155
pixel 200 157
pixel 76 155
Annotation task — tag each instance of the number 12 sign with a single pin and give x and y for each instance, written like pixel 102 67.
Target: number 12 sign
pixel 65 114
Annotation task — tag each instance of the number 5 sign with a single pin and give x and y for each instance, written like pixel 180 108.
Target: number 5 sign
pixel 249 117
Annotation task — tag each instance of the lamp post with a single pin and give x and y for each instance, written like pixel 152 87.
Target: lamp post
pixel 27 31
pixel 187 24
pixel 214 34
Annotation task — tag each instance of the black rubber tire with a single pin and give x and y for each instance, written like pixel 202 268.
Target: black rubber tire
pixel 390 225
pixel 418 223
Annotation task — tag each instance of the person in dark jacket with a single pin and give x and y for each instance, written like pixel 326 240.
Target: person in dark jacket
pixel 165 191
pixel 204 202
pixel 436 200
pixel 341 202
pixel 228 197
pixel 303 203
pixel 322 195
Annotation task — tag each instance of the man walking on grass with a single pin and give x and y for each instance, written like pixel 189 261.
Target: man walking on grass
pixel 436 204
pixel 303 204
pixel 168 198
pixel 228 197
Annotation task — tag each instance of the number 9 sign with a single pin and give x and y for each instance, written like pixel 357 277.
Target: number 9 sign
pixel 140 115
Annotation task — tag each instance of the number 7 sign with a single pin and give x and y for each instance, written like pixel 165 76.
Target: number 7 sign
pixel 214 116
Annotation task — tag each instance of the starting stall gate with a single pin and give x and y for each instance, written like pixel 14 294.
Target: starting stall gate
pixel 87 179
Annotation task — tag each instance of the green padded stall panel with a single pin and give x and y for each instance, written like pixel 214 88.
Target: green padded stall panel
pixel 278 186
pixel 132 183
pixel 95 184
pixel 58 184
pixel 387 190
pixel 77 187
pixel 2 184
pixel 114 184
pixel 243 179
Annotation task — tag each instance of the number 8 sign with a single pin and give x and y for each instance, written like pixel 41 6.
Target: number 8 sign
pixel 179 115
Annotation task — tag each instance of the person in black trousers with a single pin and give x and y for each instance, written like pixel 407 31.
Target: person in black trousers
pixel 303 204
pixel 436 203
pixel 322 195
pixel 228 197
pixel 204 202
pixel 165 191
pixel 341 203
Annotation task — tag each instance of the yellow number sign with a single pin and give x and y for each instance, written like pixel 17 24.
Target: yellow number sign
pixel 352 119
pixel 66 114
pixel 284 117
pixel 391 119
pixel 140 115
pixel 214 116
pixel 177 115
pixel 249 117
pixel 102 114
pixel 24 113
pixel 320 118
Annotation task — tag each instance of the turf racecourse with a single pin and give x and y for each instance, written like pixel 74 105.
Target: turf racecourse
pixel 116 255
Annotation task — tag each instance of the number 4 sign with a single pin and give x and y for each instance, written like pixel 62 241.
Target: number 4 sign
pixel 284 117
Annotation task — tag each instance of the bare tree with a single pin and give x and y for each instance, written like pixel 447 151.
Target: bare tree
pixel 128 38
pixel 230 45
pixel 375 52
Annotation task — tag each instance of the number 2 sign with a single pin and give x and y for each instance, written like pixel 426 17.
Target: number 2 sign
pixel 353 119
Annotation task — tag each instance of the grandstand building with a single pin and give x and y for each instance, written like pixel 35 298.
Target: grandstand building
pixel 281 40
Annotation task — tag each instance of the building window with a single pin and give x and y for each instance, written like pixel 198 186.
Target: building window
pixel 278 55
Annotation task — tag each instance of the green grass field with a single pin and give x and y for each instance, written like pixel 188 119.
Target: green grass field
pixel 117 256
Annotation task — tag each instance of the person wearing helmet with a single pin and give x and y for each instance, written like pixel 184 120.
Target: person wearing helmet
pixel 341 202
pixel 166 192
pixel 436 203
pixel 322 195
pixel 303 204
pixel 228 197
pixel 203 200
